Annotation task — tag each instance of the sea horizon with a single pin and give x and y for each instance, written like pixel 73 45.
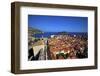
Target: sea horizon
pixel 48 34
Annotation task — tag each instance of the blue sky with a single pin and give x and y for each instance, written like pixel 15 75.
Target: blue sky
pixel 58 23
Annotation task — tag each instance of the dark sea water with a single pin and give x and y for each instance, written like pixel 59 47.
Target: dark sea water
pixel 48 34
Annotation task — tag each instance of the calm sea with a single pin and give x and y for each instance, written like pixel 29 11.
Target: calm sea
pixel 48 34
